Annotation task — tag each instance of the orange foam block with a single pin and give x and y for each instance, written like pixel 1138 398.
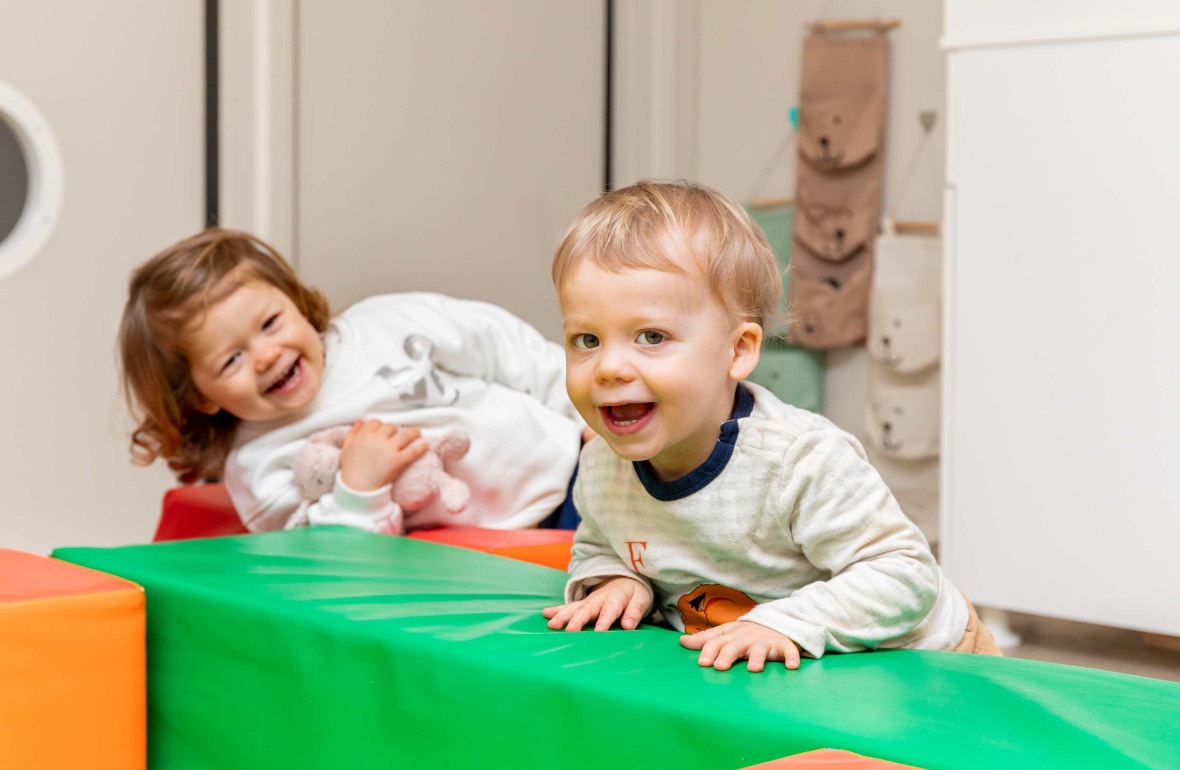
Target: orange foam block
pixel 547 547
pixel 73 683
pixel 830 759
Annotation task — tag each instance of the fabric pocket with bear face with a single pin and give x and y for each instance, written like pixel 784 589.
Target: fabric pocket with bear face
pixel 836 212
pixel 905 306
pixel 843 99
pixel 902 416
pixel 829 300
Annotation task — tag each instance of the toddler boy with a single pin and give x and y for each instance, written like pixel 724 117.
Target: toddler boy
pixel 757 528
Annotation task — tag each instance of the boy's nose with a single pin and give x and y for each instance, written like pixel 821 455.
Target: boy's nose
pixel 613 367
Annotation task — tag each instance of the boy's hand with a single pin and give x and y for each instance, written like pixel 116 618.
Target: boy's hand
pixel 621 596
pixel 587 434
pixel 376 453
pixel 721 645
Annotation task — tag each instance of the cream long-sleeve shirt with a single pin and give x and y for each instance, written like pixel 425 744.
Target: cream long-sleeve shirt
pixel 786 525
pixel 433 362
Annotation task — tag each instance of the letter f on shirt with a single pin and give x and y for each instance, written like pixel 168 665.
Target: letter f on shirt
pixel 636 548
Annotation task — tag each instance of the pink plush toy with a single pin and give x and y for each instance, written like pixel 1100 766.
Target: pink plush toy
pixel 317 463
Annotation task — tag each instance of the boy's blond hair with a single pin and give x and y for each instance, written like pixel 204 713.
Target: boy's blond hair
pixel 684 228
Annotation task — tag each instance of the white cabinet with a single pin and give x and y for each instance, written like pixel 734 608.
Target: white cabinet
pixel 1062 347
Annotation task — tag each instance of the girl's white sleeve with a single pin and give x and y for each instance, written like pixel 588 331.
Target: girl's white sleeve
pixel 884 580
pixel 267 499
pixel 482 340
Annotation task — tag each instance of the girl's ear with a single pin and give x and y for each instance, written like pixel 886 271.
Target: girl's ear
pixel 203 405
pixel 747 346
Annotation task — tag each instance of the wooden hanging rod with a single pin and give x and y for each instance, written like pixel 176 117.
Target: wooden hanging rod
pixel 916 228
pixel 854 25
pixel 771 203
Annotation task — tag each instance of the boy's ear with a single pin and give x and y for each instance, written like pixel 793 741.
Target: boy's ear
pixel 747 346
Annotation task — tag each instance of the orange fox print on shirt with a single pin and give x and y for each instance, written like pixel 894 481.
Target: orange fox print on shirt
pixel 711 605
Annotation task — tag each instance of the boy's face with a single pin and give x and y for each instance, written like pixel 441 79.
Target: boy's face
pixel 254 355
pixel 652 361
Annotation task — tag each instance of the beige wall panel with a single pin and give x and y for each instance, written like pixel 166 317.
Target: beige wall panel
pixel 444 146
pixel 120 83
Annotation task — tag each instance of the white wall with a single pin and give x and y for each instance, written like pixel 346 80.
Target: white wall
pixel 120 84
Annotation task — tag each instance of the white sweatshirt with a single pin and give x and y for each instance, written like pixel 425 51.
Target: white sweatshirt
pixel 786 525
pixel 433 362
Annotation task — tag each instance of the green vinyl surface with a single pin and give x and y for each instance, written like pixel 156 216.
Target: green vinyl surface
pixel 326 648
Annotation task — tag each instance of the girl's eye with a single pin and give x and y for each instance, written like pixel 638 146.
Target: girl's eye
pixel 268 323
pixel 584 341
pixel 649 338
pixel 230 361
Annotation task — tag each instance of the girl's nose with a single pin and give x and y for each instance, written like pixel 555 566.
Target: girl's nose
pixel 265 356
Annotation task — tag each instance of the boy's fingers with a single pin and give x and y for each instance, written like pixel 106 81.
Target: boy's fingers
pixel 612 606
pixel 561 615
pixel 791 655
pixel 636 609
pixel 709 652
pixel 585 613
pixel 698 640
pixel 731 652
pixel 757 656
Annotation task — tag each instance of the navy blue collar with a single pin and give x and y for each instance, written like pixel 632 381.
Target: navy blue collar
pixel 698 478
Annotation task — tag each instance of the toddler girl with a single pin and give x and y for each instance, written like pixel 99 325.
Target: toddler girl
pixel 230 363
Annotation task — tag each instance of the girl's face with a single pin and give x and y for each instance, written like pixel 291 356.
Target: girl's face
pixel 254 355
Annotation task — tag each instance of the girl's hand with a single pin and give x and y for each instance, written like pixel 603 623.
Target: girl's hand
pixel 621 596
pixel 721 645
pixel 376 453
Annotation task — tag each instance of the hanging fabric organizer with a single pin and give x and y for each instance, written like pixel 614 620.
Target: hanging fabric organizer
pixel 838 184
pixel 902 416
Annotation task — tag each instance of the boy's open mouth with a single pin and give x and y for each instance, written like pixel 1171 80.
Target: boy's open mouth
pixel 623 419
pixel 289 381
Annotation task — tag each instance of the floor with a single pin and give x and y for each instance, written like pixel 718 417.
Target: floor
pixel 1083 644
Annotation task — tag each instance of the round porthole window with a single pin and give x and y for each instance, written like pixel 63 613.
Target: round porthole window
pixel 30 180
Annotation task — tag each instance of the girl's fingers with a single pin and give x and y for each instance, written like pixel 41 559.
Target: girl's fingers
pixel 406 436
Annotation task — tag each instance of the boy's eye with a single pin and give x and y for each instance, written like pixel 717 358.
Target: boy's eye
pixel 649 338
pixel 584 341
pixel 230 361
pixel 270 322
